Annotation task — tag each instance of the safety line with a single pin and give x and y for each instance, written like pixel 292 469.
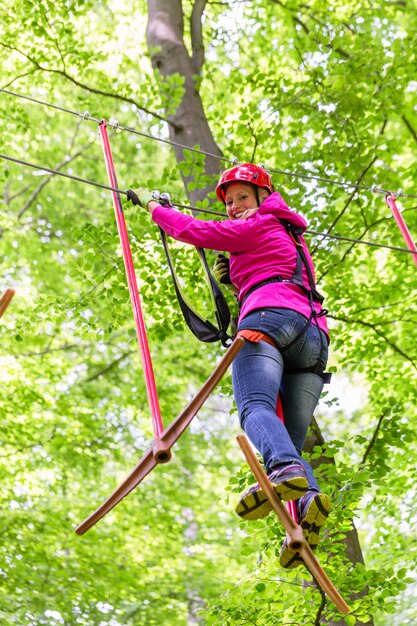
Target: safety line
pixel 115 125
pixel 351 240
pixel 195 209
pixel 51 171
pixel 85 116
pixel 92 182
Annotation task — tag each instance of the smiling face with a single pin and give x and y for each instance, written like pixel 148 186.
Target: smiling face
pixel 240 197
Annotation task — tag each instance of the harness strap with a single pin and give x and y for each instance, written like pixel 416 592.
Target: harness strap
pixel 255 336
pixel 201 327
pixel 300 334
pixel 297 277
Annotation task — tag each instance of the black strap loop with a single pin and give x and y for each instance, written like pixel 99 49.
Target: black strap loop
pixel 202 328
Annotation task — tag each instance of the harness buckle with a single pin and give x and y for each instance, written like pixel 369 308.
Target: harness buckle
pixel 296 239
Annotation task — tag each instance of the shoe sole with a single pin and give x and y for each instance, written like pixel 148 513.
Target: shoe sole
pixel 315 518
pixel 256 505
pixel 289 559
pixel 292 489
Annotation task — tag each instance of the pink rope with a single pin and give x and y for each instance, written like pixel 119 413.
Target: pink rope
pixel 133 287
pixel 390 200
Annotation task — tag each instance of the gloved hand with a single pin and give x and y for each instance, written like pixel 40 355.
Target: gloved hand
pixel 140 196
pixel 221 270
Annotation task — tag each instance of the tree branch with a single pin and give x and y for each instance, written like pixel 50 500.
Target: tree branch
pixel 410 128
pixel 297 20
pixel 383 307
pixel 197 41
pixel 355 189
pixel 373 438
pixel 28 73
pixel 350 248
pixel 76 82
pixel 66 346
pixel 101 281
pixel 377 332
pixel 352 195
pixel 109 367
pixel 8 197
pixel 319 614
pixel 46 180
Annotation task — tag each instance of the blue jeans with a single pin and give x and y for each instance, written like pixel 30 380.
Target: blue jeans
pixel 260 371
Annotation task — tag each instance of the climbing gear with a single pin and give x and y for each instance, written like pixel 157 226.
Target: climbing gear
pixel 202 328
pixel 245 172
pixel 133 291
pixel 289 482
pixel 297 279
pixel 313 510
pixel 168 438
pixel 256 335
pixel 390 200
pixel 295 538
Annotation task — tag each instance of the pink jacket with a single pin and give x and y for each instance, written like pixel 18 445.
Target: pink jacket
pixel 259 248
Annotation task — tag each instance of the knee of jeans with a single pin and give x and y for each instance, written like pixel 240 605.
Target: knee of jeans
pixel 246 409
pixel 243 414
pixel 255 408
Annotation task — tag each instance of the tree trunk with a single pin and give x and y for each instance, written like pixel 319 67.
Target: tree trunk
pixel 353 550
pixel 188 125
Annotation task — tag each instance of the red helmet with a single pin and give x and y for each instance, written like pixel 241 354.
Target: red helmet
pixel 247 172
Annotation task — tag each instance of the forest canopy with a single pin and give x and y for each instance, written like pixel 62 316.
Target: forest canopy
pixel 322 94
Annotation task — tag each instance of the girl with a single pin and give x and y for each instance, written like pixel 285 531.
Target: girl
pixel 273 276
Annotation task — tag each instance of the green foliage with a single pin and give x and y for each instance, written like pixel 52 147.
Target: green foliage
pixel 319 90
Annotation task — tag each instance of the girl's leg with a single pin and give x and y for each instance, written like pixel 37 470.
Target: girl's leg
pixel 300 394
pixel 257 372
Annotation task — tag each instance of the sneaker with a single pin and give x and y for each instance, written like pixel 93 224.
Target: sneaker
pixel 289 482
pixel 313 510
pixel 288 558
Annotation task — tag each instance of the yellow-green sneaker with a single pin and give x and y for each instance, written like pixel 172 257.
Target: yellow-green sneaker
pixel 289 482
pixel 313 510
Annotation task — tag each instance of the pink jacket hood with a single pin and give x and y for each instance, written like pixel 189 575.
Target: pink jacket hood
pixel 276 205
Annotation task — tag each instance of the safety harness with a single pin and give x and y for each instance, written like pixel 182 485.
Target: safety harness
pixel 313 295
pixel 297 277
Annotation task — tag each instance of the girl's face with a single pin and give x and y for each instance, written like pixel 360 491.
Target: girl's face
pixel 240 197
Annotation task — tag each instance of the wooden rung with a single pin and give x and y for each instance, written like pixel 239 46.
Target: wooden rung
pixel 160 452
pixel 5 300
pixel 292 529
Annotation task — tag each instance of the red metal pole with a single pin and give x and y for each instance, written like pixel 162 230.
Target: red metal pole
pixel 390 200
pixel 133 287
